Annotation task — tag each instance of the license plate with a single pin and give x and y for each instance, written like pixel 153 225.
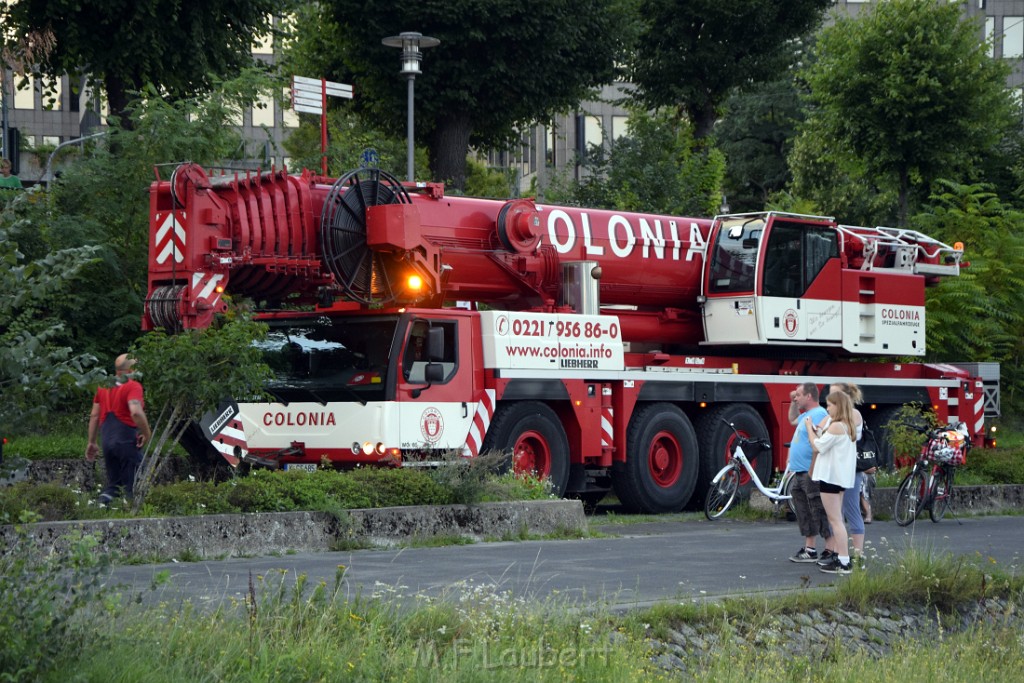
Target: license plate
pixel 304 466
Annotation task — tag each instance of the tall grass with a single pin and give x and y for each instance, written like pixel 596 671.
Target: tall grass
pixel 287 630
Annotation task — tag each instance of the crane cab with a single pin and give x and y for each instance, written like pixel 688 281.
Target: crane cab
pixel 787 279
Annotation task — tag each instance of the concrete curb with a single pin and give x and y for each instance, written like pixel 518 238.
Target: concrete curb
pixel 221 536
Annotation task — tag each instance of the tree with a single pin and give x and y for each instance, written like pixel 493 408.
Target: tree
pixel 348 137
pixel 980 314
pixel 101 200
pixel 835 182
pixel 655 169
pixel 37 371
pixel 126 44
pixel 502 65
pixel 692 54
pixel 189 373
pixel 908 90
pixel 756 135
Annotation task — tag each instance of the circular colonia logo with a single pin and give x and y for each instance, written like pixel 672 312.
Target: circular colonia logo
pixel 790 322
pixel 501 325
pixel 431 425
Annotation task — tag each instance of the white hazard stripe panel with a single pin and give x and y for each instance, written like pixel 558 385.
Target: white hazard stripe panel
pixel 481 423
pixel 170 239
pixel 204 286
pixel 607 431
pixel 229 438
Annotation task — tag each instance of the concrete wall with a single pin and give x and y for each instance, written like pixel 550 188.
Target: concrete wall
pixel 221 536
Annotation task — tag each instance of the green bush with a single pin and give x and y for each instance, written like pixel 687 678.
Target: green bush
pixel 257 493
pixel 391 487
pixel 515 486
pixel 40 602
pixel 189 498
pixel 467 478
pixel 51 502
pixel 997 465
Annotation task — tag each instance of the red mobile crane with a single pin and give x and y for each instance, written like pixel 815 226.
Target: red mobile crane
pixel 612 346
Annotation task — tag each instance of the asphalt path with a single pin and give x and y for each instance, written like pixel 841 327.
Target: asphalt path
pixel 628 566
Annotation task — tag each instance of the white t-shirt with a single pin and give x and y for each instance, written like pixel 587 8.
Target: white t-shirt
pixel 836 463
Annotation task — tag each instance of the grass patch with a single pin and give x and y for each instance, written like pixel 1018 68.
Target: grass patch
pixel 626 519
pixel 287 629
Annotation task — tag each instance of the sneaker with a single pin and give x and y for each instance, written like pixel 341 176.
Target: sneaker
pixel 836 567
pixel 803 555
pixel 826 557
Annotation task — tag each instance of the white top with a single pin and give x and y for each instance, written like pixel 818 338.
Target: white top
pixel 837 459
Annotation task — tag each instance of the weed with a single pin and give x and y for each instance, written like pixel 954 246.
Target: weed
pixel 41 603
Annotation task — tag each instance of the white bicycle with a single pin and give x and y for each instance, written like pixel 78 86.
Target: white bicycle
pixel 725 486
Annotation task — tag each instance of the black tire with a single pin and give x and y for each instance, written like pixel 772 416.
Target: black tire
pixel 942 490
pixel 717 442
pixel 531 434
pixel 910 498
pixel 660 471
pixel 720 496
pixel 878 422
pixel 787 490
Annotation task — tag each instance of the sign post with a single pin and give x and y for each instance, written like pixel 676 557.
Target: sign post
pixel 309 96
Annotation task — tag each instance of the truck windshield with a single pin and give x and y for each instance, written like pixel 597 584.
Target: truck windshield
pixel 329 359
pixel 735 255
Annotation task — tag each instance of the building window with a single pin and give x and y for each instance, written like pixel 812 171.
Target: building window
pixel 594 131
pixel 620 126
pixel 51 140
pixel 551 153
pixel 263 112
pixel 289 119
pixel 263 44
pixel 52 93
pixel 24 92
pixel 990 32
pixel 1013 37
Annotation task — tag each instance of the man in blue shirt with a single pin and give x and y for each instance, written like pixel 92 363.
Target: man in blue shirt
pixel 810 515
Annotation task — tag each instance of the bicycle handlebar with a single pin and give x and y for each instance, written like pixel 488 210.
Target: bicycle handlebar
pixel 763 443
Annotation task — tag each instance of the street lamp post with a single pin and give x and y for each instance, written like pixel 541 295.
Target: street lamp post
pixel 411 43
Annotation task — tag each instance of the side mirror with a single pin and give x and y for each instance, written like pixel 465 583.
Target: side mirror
pixel 435 344
pixel 433 373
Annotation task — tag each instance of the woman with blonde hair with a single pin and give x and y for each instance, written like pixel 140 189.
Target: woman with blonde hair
pixel 852 497
pixel 834 468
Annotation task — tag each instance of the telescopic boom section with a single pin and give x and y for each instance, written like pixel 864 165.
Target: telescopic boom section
pixel 369 239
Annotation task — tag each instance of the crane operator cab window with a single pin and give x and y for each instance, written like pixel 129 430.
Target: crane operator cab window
pixel 796 254
pixel 430 352
pixel 735 256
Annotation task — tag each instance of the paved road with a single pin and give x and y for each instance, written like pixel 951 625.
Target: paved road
pixel 640 565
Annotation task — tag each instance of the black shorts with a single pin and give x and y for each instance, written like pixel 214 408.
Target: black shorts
pixel 826 487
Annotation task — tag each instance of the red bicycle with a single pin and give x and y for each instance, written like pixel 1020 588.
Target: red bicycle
pixel 929 485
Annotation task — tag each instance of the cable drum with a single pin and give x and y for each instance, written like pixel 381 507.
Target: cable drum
pixel 359 270
pixel 164 307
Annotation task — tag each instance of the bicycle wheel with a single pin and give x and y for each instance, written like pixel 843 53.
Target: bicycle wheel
pixel 722 493
pixel 910 498
pixel 787 490
pixel 942 491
